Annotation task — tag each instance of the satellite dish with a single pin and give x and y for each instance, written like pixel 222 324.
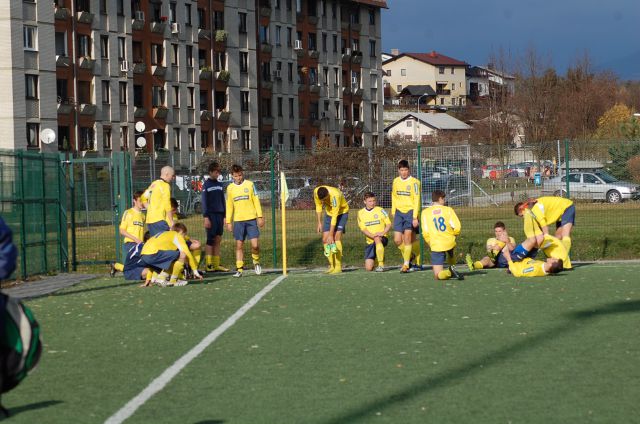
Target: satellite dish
pixel 140 127
pixel 141 141
pixel 47 136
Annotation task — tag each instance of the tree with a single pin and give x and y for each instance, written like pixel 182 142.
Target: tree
pixel 611 123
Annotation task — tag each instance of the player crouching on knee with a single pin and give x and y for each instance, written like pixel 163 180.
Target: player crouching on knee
pixel 374 222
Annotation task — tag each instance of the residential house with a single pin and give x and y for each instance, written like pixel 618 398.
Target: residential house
pixel 483 82
pixel 424 126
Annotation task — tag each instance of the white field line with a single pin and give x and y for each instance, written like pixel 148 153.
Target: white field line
pixel 161 381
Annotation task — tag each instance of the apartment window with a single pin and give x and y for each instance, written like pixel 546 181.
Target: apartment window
pixel 453 86
pixel 324 42
pixel 372 16
pixel 218 20
pixel 106 92
pixel 203 100
pixel 187 13
pixel 244 101
pixel 157 54
pixel 159 141
pixel 86 138
pixel 336 106
pixel 264 33
pixel 189 56
pixel 325 75
pixel 176 139
pixel 246 140
pixel 399 88
pixel 280 106
pixel 106 138
pixel 172 13
pixel 335 43
pixel 33 131
pixel 202 58
pixel 289 37
pixel 221 61
pixel 291 108
pixel 453 101
pixel 441 69
pixel 104 46
pixel 191 98
pixel 372 48
pixel 244 62
pixel 389 73
pixel 176 96
pixel 122 92
pixel 62 90
pixel 137 96
pixel 204 139
pixel 30 37
pixel 202 19
pixel 174 54
pixel 103 7
pixel 277 4
pixel 31 86
pixel 220 99
pixel 192 138
pixel 290 71
pixel 278 29
pixel 136 50
pixel 288 4
pixel 403 72
pixel 452 71
pixel 124 138
pixel 83 5
pixel 312 42
pixel 334 9
pixel 374 113
pixel 120 7
pixel 84 46
pixel 122 52
pixel 243 22
pixel 292 142
pixel 61 44
pixel 280 140
pixel 157 96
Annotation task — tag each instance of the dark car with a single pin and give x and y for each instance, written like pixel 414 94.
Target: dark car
pixel 304 199
pixel 455 187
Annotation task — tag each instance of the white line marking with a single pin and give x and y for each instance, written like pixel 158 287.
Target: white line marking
pixel 161 381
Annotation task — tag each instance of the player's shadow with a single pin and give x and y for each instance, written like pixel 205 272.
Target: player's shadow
pixel 29 407
pixel 91 289
pixel 575 321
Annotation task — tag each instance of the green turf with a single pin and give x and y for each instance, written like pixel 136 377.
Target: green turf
pixel 350 348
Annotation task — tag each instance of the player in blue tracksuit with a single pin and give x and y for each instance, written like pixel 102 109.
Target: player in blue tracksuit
pixel 8 251
pixel 213 211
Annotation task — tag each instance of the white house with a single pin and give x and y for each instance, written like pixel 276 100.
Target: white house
pixel 422 126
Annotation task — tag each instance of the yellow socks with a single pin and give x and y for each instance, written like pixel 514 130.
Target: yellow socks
pixel 478 265
pixel 567 243
pixel 445 274
pixel 415 249
pixel 209 261
pixel 118 267
pixel 239 265
pixel 380 254
pixel 176 271
pixel 215 261
pixel 338 256
pixel 256 258
pixel 197 255
pixel 406 253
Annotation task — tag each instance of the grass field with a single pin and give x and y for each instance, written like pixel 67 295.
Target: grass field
pixel 356 347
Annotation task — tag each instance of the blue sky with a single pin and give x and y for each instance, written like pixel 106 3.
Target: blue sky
pixel 561 30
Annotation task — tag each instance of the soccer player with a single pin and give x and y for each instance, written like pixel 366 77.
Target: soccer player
pixel 335 223
pixel 243 217
pixel 550 245
pixel 132 229
pixel 494 245
pixel 405 207
pixel 167 252
pixel 375 224
pixel 157 200
pixel 213 211
pixel 440 226
pixel 135 270
pixel 529 267
pixel 193 244
pixel 539 213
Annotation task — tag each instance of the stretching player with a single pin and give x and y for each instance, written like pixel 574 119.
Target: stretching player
pixel 375 224
pixel 405 208
pixel 335 222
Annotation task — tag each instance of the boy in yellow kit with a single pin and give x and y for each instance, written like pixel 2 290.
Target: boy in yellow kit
pixel 529 267
pixel 243 217
pixel 132 229
pixel 405 209
pixel 440 226
pixel 375 224
pixel 335 223
pixel 157 200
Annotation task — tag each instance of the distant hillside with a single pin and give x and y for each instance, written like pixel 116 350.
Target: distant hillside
pixel 627 68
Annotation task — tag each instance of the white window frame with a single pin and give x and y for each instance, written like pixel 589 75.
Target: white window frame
pixel 30 38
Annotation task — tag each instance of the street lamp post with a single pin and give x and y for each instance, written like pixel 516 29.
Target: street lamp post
pixel 424 95
pixel 141 142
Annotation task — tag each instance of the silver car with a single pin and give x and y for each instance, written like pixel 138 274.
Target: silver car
pixel 596 185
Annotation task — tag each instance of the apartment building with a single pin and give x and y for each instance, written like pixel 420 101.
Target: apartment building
pixel 215 75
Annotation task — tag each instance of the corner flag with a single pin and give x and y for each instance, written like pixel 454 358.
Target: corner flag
pixel 284 190
pixel 284 196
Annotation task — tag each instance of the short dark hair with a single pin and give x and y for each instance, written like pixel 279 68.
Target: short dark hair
pixel 138 194
pixel 369 195
pixel 213 166
pixel 174 203
pixel 499 224
pixel 437 195
pixel 556 267
pixel 179 226
pixel 517 207
pixel 236 168
pixel 403 164
pixel 322 192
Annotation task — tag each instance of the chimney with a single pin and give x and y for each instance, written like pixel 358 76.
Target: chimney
pixel 433 53
pixel 395 52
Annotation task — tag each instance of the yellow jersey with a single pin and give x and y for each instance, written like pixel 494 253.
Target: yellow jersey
pixel 405 196
pixel 243 203
pixel 554 248
pixel 334 204
pixel 133 223
pixel 157 199
pixel 374 221
pixel 527 268
pixel 440 226
pixel 168 240
pixel 547 211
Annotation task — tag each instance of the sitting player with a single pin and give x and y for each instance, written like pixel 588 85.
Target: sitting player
pixel 529 267
pixel 440 226
pixel 167 253
pixel 375 224
pixel 132 229
pixel 494 258
pixel 133 269
pixel 194 245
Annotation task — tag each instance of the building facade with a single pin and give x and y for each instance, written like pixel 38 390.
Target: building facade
pixel 215 75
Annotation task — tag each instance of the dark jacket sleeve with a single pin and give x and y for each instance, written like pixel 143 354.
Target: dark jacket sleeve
pixel 8 252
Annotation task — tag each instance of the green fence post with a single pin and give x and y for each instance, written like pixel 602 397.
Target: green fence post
pixel 43 184
pixel 63 239
pixel 72 192
pixel 566 165
pixel 117 194
pixel 274 241
pixel 420 205
pixel 23 231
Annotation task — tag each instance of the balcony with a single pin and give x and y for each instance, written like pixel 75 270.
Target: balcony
pixel 346 91
pixel 137 24
pixel 223 76
pixel 356 26
pixel 346 56
pixel 84 17
pixel 204 33
pixel 268 120
pixel 315 122
pixel 62 13
pixel 205 115
pixel 160 112
pixel 302 86
pixel 268 85
pixel 139 68
pixel 158 70
pixel 221 36
pixel 313 20
pixel 87 109
pixel 63 60
pixel 64 106
pixel 265 11
pixel 346 123
pixel 356 56
pixel 139 112
pixel 265 47
pixel 205 73
pixel 314 54
pixel 314 88
pixel 87 63
pixel 358 125
pixel 223 115
pixel 158 27
pixel 443 92
pixel 357 92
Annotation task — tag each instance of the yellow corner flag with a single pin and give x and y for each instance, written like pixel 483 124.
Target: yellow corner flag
pixel 284 196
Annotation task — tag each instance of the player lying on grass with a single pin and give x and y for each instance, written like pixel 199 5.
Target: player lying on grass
pixel 166 254
pixel 375 224
pixel 539 213
pixel 550 245
pixel 132 229
pixel 335 223
pixel 440 226
pixel 405 207
pixel 529 267
pixel 494 245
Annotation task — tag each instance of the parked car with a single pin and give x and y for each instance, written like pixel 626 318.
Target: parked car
pixel 455 187
pixel 304 199
pixel 597 185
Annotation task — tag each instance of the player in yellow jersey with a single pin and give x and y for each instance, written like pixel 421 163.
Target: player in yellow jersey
pixel 167 253
pixel 529 267
pixel 374 222
pixel 440 226
pixel 157 200
pixel 538 214
pixel 494 245
pixel 405 209
pixel 194 245
pixel 132 229
pixel 335 223
pixel 243 217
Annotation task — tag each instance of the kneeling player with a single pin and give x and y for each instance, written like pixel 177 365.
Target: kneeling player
pixel 494 258
pixel 529 267
pixel 375 224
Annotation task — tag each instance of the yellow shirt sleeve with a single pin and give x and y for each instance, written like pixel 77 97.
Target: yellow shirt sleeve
pixel 256 201
pixel 454 222
pixel 539 212
pixel 416 197
pixel 317 201
pixel 229 207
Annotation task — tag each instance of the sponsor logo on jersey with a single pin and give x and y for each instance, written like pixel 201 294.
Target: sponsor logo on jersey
pixel 370 223
pixel 437 212
pixel 527 270
pixel 246 190
pixel 404 193
pixel 238 198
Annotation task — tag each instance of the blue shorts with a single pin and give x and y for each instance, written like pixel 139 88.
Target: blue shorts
pixel 161 260
pixel 519 253
pixel 568 217
pixel 440 258
pixel 370 249
pixel 134 271
pixel 403 221
pixel 216 227
pixel 126 248
pixel 341 223
pixel 243 230
pixel 158 227
pixel 501 261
